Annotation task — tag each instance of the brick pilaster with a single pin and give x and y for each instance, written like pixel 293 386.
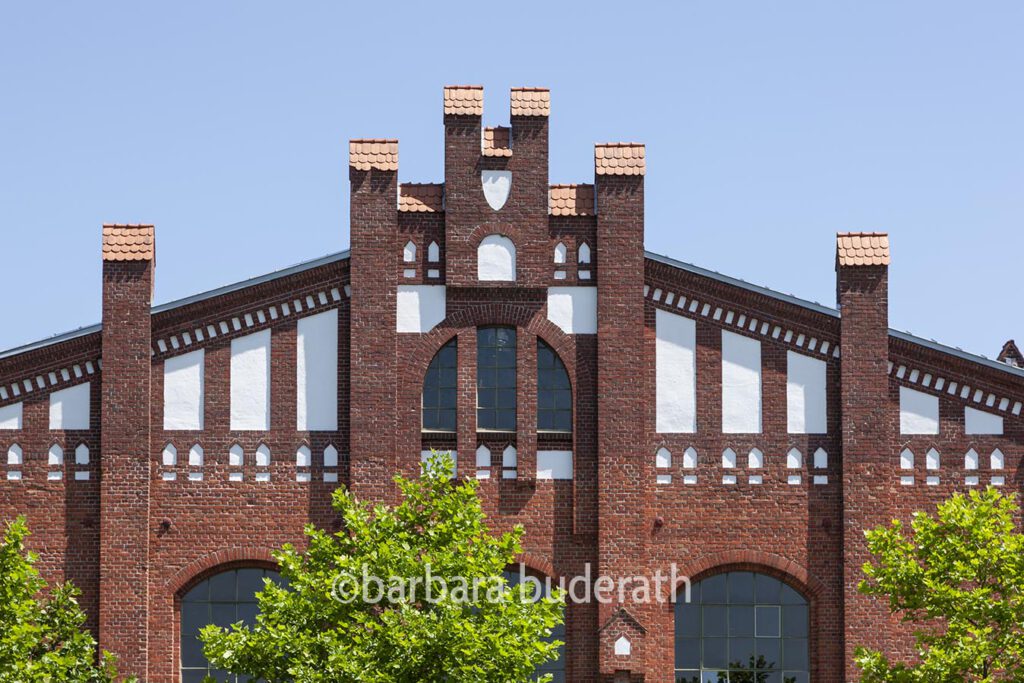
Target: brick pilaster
pixel 128 263
pixel 868 426
pixel 622 471
pixel 373 172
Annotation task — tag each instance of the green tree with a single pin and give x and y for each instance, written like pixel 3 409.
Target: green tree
pixel 959 577
pixel 318 627
pixel 41 637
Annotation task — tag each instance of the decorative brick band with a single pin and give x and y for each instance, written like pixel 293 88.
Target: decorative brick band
pixel 922 379
pixel 693 308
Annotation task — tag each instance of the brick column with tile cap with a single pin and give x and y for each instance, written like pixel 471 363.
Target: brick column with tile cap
pixel 373 172
pixel 128 263
pixel 623 473
pixel 869 428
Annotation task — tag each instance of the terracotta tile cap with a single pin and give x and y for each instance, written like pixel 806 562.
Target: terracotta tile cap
pixel 382 155
pixel 620 158
pixel 531 102
pixel 497 142
pixel 862 248
pixel 129 242
pixel 464 100
pixel 421 197
pixel 571 200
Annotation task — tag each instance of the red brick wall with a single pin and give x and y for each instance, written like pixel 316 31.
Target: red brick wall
pixel 135 542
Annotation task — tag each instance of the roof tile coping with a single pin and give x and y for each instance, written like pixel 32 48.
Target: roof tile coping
pixel 620 158
pixel 368 154
pixel 421 197
pixel 497 142
pixel 862 248
pixel 464 100
pixel 530 102
pixel 126 242
pixel 571 200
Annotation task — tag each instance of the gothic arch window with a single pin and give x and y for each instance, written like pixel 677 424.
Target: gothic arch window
pixel 742 626
pixel 222 600
pixel 556 667
pixel 439 390
pixel 496 379
pixel 554 393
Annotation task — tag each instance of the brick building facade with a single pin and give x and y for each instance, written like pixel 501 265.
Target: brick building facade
pixel 738 433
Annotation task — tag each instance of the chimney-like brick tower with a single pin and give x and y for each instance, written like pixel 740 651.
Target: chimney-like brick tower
pixel 128 262
pixel 869 427
pixel 622 472
pixel 373 173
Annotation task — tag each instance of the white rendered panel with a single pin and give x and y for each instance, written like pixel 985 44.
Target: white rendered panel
pixel 573 309
pixel 250 382
pixel 980 422
pixel 675 373
pixel 554 464
pixel 11 416
pixel 919 412
pixel 741 384
pixel 496 259
pixel 316 372
pixel 806 401
pixel 69 408
pixel 420 307
pixel 184 391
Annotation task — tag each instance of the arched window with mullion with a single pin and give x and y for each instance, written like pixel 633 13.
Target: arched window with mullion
pixel 496 379
pixel 554 392
pixel 439 390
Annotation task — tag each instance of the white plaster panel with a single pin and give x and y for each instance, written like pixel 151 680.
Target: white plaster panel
pixel 675 373
pixel 420 307
pixel 573 309
pixel 316 372
pixel 496 259
pixel 919 412
pixel 184 391
pixel 69 408
pixel 496 185
pixel 554 464
pixel 980 422
pixel 11 416
pixel 250 382
pixel 806 398
pixel 741 384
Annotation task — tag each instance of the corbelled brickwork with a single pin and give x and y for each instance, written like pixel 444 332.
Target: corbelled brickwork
pixel 137 509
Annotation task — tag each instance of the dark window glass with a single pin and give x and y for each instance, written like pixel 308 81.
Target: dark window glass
pixel 557 667
pixel 496 379
pixel 742 626
pixel 439 390
pixel 223 599
pixel 554 395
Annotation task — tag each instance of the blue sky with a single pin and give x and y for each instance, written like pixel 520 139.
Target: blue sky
pixel 769 126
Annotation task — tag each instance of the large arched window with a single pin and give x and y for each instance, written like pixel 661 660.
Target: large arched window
pixel 556 667
pixel 222 599
pixel 742 626
pixel 439 390
pixel 554 394
pixel 496 379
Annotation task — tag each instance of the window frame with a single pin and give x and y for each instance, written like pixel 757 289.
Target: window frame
pixel 555 370
pixel 498 386
pixel 439 407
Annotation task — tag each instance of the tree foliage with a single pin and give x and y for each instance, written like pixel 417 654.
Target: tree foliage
pixel 958 575
pixel 317 627
pixel 41 636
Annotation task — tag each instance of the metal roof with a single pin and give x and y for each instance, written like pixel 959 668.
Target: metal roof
pixel 689 267
pixel 171 305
